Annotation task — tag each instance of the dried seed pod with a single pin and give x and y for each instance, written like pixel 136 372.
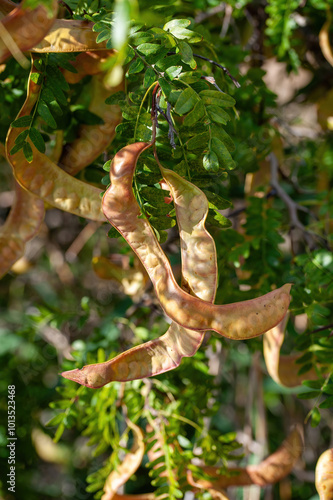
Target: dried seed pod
pixel 324 475
pixel 165 353
pixel 44 178
pixel 282 368
pixel 198 265
pixel 22 224
pixel 23 27
pixel 269 471
pixel 128 467
pixel 237 321
pixel 68 35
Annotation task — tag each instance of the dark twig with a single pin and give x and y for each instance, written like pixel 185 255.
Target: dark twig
pixel 226 71
pixel 66 7
pixel 212 81
pixel 291 205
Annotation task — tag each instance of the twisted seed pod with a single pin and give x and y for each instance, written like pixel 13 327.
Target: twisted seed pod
pixel 237 321
pixel 44 178
pixel 269 471
pixel 283 368
pixel 324 475
pixel 22 27
pixel 199 267
pixel 128 467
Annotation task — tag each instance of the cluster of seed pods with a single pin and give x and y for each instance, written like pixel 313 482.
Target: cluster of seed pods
pixel 271 470
pixel 43 180
pixel 191 313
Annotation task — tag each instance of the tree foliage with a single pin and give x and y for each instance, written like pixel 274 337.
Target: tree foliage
pixel 235 149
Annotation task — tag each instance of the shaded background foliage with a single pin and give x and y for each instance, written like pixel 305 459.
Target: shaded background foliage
pixel 53 306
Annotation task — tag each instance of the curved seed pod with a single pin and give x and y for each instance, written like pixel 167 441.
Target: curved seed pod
pixel 324 475
pixel 67 35
pixel 45 179
pixel 324 39
pixel 92 139
pixel 199 266
pixel 128 467
pixel 165 353
pixel 269 471
pixel 237 321
pixel 198 485
pixel 22 27
pixel 6 6
pixel 283 368
pixel 22 224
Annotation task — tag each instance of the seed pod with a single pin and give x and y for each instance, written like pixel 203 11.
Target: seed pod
pixel 324 475
pixel 237 321
pixel 22 27
pixel 269 471
pixel 128 467
pixel 44 178
pixel 283 369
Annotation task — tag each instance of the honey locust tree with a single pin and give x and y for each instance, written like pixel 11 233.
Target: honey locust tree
pixel 166 248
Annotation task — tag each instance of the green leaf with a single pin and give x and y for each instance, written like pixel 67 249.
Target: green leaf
pixel 36 78
pixel 221 134
pixel 23 121
pixel 217 98
pixel 45 113
pixel 136 66
pixel 116 98
pixel 218 115
pixel 149 78
pixel 148 48
pixel 222 153
pixel 56 78
pixel 216 202
pixel 186 54
pixel 313 384
pixel 173 72
pixel 103 35
pixel 27 151
pixel 182 23
pixel 184 34
pixel 57 419
pixel 165 86
pixel 328 403
pixel 218 220
pixel 154 196
pixel 198 141
pixel 16 148
pixel 308 395
pixel 162 222
pixel 20 139
pixel 196 114
pixel 211 162
pixel 315 417
pixel 57 93
pixel 37 139
pixel 186 101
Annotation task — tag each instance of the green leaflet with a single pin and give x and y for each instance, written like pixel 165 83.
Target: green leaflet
pixel 217 98
pixel 186 101
pixel 222 154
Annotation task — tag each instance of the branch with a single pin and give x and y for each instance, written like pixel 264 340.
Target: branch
pixel 291 205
